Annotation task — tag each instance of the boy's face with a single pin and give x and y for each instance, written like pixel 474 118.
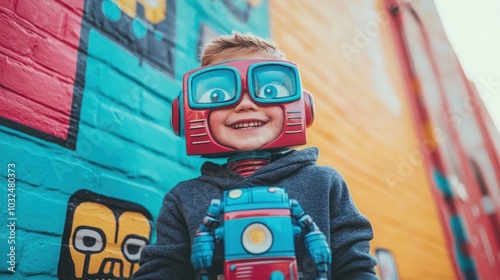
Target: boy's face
pixel 247 126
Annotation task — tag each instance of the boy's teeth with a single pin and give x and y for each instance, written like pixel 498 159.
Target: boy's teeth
pixel 247 125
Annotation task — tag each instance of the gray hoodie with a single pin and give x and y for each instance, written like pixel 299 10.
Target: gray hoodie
pixel 320 190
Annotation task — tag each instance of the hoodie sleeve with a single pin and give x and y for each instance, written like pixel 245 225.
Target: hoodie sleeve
pixel 350 235
pixel 169 257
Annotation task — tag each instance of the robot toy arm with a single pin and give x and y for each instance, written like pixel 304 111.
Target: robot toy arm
pixel 203 246
pixel 314 240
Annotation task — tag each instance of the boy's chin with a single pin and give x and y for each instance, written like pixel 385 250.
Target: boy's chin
pixel 245 144
pixel 246 147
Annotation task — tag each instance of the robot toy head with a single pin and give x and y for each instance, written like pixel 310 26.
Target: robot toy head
pixel 268 82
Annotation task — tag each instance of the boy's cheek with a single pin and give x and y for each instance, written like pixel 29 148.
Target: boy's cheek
pixel 215 123
pixel 216 118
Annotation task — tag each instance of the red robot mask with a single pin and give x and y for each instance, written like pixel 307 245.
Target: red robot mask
pixel 268 82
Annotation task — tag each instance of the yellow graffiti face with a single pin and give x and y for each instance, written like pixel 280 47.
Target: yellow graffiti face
pixel 107 244
pixel 154 10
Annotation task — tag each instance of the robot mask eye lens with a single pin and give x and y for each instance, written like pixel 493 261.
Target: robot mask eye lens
pixel 213 87
pixel 275 83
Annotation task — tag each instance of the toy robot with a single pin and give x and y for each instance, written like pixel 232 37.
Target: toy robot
pixel 256 224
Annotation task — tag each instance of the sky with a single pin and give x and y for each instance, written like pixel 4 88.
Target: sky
pixel 473 29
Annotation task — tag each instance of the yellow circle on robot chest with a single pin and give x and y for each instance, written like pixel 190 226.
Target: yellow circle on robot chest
pixel 256 236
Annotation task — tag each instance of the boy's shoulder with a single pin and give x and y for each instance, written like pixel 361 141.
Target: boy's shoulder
pixel 185 186
pixel 323 170
pixel 193 182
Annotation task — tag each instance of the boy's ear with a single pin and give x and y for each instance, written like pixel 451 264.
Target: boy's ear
pixel 309 110
pixel 175 117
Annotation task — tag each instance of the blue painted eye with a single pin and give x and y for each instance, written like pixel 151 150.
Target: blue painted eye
pixel 272 91
pixel 214 96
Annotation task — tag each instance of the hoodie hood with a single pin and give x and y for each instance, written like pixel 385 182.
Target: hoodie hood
pixel 221 177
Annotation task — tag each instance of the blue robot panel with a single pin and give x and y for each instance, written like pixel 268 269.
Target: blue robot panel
pixel 259 233
pixel 257 226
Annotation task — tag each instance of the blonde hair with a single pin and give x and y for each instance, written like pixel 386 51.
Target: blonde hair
pixel 236 43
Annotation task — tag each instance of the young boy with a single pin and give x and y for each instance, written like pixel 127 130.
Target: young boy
pixel 246 103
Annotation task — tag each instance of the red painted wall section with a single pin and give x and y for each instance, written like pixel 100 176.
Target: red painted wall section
pixel 38 58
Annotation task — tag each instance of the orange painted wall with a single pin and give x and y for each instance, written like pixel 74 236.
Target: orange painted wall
pixel 364 125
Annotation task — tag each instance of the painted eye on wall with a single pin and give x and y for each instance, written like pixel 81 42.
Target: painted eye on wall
pixel 132 247
pixel 273 90
pixel 89 240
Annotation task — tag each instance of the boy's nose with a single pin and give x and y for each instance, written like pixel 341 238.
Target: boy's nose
pixel 246 104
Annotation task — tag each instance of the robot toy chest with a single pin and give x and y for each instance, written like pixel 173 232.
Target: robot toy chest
pixel 258 229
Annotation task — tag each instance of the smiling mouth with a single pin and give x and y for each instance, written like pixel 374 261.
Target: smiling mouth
pixel 247 125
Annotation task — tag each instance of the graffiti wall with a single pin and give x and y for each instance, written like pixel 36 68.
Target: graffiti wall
pixel 87 152
pixel 86 149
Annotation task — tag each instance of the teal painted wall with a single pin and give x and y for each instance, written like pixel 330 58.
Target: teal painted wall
pixel 107 129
